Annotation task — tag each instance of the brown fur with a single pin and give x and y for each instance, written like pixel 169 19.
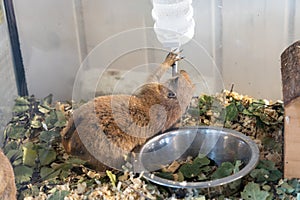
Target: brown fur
pixel 7 179
pixel 109 127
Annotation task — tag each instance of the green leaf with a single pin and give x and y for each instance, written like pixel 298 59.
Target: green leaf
pixel 201 161
pixel 189 170
pixel 239 106
pixel 35 122
pixel 47 100
pixel 112 177
pixel 49 136
pixel 275 175
pixel 55 119
pixel 226 169
pixel 61 120
pixel 12 145
pixel 49 173
pixel 295 184
pixel 252 191
pixel 24 192
pixel 46 156
pixel 259 102
pixel 259 124
pixel 21 101
pixel 237 166
pixel 180 177
pixel 51 119
pixel 287 188
pixel 44 109
pixel 205 103
pixel 271 196
pixel 206 169
pixel 165 175
pixel 202 177
pixel 205 99
pixel 260 175
pixel 59 195
pixel 45 105
pixel 29 154
pixel 266 164
pixel 20 108
pixel 279 191
pixel 266 187
pixel 23 173
pixel 14 154
pixel 64 174
pixel 235 185
pixel 75 161
pixel 17 162
pixel 16 132
pixel 247 112
pixel 28 133
pixel 231 112
pixel 62 166
pixel 35 190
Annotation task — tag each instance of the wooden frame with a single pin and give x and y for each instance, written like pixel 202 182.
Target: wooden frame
pixel 290 71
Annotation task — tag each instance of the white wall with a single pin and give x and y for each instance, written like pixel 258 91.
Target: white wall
pixel 49 46
pixel 245 39
pixel 8 89
pixel 255 33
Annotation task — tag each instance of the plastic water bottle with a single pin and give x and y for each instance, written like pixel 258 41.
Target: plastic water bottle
pixel 174 23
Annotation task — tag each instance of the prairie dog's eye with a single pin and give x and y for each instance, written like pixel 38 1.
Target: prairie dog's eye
pixel 171 95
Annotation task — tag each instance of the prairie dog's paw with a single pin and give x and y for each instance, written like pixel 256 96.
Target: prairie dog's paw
pixel 172 57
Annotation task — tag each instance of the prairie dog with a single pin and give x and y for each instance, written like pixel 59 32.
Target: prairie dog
pixel 104 129
pixel 7 178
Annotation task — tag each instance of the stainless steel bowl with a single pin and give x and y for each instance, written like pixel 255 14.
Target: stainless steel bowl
pixel 219 144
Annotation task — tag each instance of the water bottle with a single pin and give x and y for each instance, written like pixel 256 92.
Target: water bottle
pixel 174 23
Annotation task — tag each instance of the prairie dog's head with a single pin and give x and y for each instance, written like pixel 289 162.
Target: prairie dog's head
pixel 174 97
pixel 166 102
pixel 181 88
pixel 176 90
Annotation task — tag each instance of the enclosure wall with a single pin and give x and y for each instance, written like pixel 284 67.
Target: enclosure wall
pixel 245 39
pixel 8 89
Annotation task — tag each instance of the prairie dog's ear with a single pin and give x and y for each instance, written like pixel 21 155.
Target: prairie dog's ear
pixel 186 76
pixel 173 82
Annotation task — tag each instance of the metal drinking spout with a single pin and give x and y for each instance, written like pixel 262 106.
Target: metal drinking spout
pixel 175 66
pixel 175 69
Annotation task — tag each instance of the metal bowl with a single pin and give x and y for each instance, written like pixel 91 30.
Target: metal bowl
pixel 219 144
